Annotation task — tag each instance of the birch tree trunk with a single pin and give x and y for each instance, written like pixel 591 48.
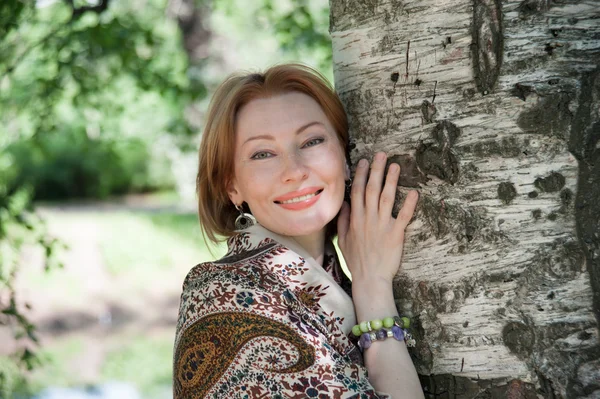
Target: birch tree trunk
pixel 492 109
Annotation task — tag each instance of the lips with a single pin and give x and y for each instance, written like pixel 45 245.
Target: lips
pixel 309 191
pixel 302 202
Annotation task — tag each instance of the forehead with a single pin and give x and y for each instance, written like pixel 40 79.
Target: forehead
pixel 278 114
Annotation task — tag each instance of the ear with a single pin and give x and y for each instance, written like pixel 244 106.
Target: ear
pixel 234 193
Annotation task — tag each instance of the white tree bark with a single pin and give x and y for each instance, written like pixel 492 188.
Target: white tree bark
pixel 492 109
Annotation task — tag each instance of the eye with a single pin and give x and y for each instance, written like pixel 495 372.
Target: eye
pixel 261 155
pixel 313 142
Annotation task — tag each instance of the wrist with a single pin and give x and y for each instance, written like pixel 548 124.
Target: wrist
pixel 370 283
pixel 374 289
pixel 373 301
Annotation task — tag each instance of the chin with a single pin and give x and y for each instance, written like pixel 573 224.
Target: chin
pixel 298 229
pixel 302 232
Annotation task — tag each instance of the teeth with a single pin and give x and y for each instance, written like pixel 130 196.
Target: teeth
pixel 298 199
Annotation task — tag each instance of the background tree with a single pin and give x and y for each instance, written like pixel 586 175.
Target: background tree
pixel 492 109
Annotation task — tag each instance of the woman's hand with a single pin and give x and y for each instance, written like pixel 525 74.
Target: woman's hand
pixel 372 242
pixel 370 239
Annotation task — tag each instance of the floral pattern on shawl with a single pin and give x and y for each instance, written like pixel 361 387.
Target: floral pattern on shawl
pixel 265 322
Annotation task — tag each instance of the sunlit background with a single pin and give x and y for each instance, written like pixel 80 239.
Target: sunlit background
pixel 101 111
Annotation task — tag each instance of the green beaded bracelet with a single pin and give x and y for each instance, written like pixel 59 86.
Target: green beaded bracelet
pixel 364 327
pixel 377 324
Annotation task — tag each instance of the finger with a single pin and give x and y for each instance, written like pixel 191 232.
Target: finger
pixel 343 223
pixel 373 189
pixel 407 211
pixel 357 194
pixel 388 194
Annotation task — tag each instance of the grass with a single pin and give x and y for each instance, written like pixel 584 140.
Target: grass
pixel 50 371
pixel 151 242
pixel 11 380
pixel 55 277
pixel 184 225
pixel 144 361
pixel 53 370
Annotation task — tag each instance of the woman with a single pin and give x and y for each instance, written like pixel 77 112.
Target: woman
pixel 274 317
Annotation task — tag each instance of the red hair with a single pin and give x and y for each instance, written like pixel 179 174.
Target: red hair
pixel 216 155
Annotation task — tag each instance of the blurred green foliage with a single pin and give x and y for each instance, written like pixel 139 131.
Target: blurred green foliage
pixel 300 28
pixel 85 93
pixel 88 89
pixel 84 96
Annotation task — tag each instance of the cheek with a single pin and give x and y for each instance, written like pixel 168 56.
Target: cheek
pixel 256 186
pixel 328 159
pixel 333 164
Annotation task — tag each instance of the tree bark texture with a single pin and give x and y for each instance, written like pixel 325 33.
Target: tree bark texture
pixel 492 109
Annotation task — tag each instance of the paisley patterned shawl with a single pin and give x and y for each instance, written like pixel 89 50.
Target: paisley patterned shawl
pixel 267 321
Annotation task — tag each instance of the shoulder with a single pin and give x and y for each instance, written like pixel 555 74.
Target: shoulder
pixel 243 286
pixel 249 271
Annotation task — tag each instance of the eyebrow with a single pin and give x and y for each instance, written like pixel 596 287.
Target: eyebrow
pixel 270 137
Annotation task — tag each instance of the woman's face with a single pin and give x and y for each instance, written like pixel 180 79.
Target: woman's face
pixel 289 164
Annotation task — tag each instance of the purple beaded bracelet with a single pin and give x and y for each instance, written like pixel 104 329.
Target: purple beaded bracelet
pixel 399 334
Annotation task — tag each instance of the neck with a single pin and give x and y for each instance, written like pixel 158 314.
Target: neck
pixel 314 244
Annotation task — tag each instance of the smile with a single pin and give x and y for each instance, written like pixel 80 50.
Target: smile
pixel 300 202
pixel 299 199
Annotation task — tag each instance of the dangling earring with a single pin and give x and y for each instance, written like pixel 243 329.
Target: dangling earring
pixel 244 220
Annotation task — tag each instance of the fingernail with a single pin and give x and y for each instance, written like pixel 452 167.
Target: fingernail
pixel 394 168
pixel 362 163
pixel 380 156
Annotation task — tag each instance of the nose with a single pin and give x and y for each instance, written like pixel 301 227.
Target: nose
pixel 294 169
